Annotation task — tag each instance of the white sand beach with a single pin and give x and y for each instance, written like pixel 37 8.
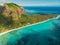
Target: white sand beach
pixel 24 27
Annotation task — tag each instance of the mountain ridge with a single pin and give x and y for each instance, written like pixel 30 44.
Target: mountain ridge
pixel 13 16
pixel 11 11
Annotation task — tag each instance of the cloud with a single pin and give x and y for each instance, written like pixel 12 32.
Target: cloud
pixel 2 1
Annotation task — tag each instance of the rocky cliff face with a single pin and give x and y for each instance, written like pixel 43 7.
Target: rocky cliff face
pixel 11 11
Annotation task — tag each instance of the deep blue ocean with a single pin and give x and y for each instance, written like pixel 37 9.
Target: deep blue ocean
pixel 42 10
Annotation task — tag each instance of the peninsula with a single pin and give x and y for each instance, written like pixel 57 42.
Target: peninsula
pixel 13 16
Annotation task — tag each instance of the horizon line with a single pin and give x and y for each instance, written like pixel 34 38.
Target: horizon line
pixel 35 5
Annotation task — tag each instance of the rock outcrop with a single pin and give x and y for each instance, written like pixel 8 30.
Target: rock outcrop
pixel 11 11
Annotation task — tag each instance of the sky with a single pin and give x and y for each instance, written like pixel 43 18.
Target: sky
pixel 33 2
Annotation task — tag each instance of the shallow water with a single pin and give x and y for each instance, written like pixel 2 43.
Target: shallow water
pixel 39 34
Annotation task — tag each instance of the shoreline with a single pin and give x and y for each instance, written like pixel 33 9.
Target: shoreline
pixel 24 27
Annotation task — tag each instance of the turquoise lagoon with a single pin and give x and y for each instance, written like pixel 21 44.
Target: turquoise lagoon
pixel 39 34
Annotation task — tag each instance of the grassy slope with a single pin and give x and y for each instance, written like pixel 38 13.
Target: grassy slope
pixel 12 5
pixel 24 20
pixel 27 19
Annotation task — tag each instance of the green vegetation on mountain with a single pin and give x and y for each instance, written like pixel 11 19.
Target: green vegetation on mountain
pixel 14 16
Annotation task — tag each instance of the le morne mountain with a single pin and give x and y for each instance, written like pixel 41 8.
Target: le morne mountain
pixel 14 16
